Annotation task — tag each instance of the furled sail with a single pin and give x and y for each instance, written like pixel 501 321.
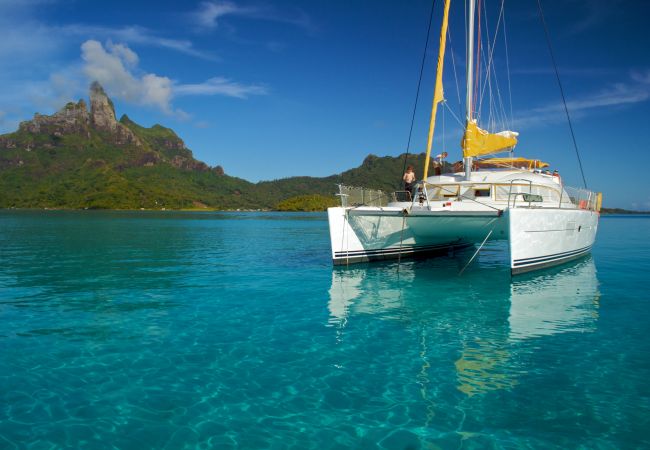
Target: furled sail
pixel 438 95
pixel 518 162
pixel 478 142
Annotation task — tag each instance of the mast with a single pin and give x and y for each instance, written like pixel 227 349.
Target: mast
pixel 438 94
pixel 470 71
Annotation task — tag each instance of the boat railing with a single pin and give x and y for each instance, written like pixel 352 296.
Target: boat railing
pixel 523 193
pixel 526 196
pixel 402 196
pixel 578 198
pixel 519 193
pixel 359 196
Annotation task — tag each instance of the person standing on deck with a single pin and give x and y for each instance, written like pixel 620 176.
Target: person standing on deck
pixel 409 180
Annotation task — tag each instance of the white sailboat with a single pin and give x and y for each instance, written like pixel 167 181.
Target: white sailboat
pixel 512 198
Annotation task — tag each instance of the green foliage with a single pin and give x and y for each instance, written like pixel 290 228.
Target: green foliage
pixel 91 169
pixel 313 202
pixel 158 138
pixel 621 211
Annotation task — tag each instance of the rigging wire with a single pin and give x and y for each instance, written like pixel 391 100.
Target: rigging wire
pixel 444 138
pixel 504 114
pixel 452 113
pixel 557 75
pixel 417 93
pixel 453 63
pixel 505 43
pixel 479 49
pixel 490 61
pixel 467 44
pixel 485 78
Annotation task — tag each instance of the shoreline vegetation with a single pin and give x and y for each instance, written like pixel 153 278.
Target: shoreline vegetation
pixel 83 158
pixel 294 204
pixel 620 211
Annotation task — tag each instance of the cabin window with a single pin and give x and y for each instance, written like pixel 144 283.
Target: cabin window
pixel 532 198
pixel 482 192
pixel 443 191
pixel 547 193
pixel 450 190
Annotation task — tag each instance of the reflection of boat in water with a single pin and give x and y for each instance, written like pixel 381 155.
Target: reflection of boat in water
pixel 486 332
pixel 349 290
pixel 554 301
pixel 546 304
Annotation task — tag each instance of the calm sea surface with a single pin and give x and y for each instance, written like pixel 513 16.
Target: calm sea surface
pixel 137 330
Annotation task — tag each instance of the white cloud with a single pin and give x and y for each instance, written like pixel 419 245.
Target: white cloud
pixel 134 35
pixel 616 95
pixel 124 52
pixel 157 91
pixel 109 69
pixel 60 88
pixel 641 77
pixel 209 13
pixel 115 67
pixel 220 86
pixel 182 115
pixel 26 42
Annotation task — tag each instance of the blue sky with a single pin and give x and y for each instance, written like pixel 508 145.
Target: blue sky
pixel 270 89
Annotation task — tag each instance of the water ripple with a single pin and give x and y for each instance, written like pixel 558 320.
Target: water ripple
pixel 212 330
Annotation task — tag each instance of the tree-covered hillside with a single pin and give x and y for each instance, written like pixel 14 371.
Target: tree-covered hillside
pixel 85 158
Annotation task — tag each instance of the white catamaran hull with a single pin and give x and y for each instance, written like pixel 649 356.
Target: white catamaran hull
pixel 538 237
pixel 367 234
pixel 546 237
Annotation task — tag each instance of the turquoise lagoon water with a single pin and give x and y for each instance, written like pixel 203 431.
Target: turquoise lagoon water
pixel 137 330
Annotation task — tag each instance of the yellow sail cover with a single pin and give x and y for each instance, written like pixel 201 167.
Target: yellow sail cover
pixel 513 162
pixel 478 142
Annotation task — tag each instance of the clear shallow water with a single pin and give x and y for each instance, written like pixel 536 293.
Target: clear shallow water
pixel 207 330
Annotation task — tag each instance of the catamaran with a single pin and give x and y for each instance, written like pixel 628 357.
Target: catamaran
pixel 489 198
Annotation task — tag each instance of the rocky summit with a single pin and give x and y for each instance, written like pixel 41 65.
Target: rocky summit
pixel 83 158
pixel 102 117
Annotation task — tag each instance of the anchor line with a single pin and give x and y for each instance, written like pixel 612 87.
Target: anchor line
pixel 478 250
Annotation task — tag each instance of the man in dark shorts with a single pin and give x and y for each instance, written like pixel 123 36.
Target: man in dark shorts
pixel 409 180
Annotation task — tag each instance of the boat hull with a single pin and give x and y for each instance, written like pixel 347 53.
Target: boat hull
pixel 369 234
pixel 538 237
pixel 541 238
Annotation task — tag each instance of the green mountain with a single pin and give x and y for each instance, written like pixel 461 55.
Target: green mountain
pixel 81 158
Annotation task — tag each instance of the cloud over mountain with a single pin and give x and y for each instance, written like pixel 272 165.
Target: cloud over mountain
pixel 116 67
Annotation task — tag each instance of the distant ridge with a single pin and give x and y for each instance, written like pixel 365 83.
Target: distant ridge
pixel 84 158
pixel 622 211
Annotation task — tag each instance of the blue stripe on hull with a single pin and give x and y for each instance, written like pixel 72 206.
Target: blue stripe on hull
pixel 393 252
pixel 536 259
pixel 530 264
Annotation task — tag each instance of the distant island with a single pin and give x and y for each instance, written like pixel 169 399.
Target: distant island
pixel 621 211
pixel 84 158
